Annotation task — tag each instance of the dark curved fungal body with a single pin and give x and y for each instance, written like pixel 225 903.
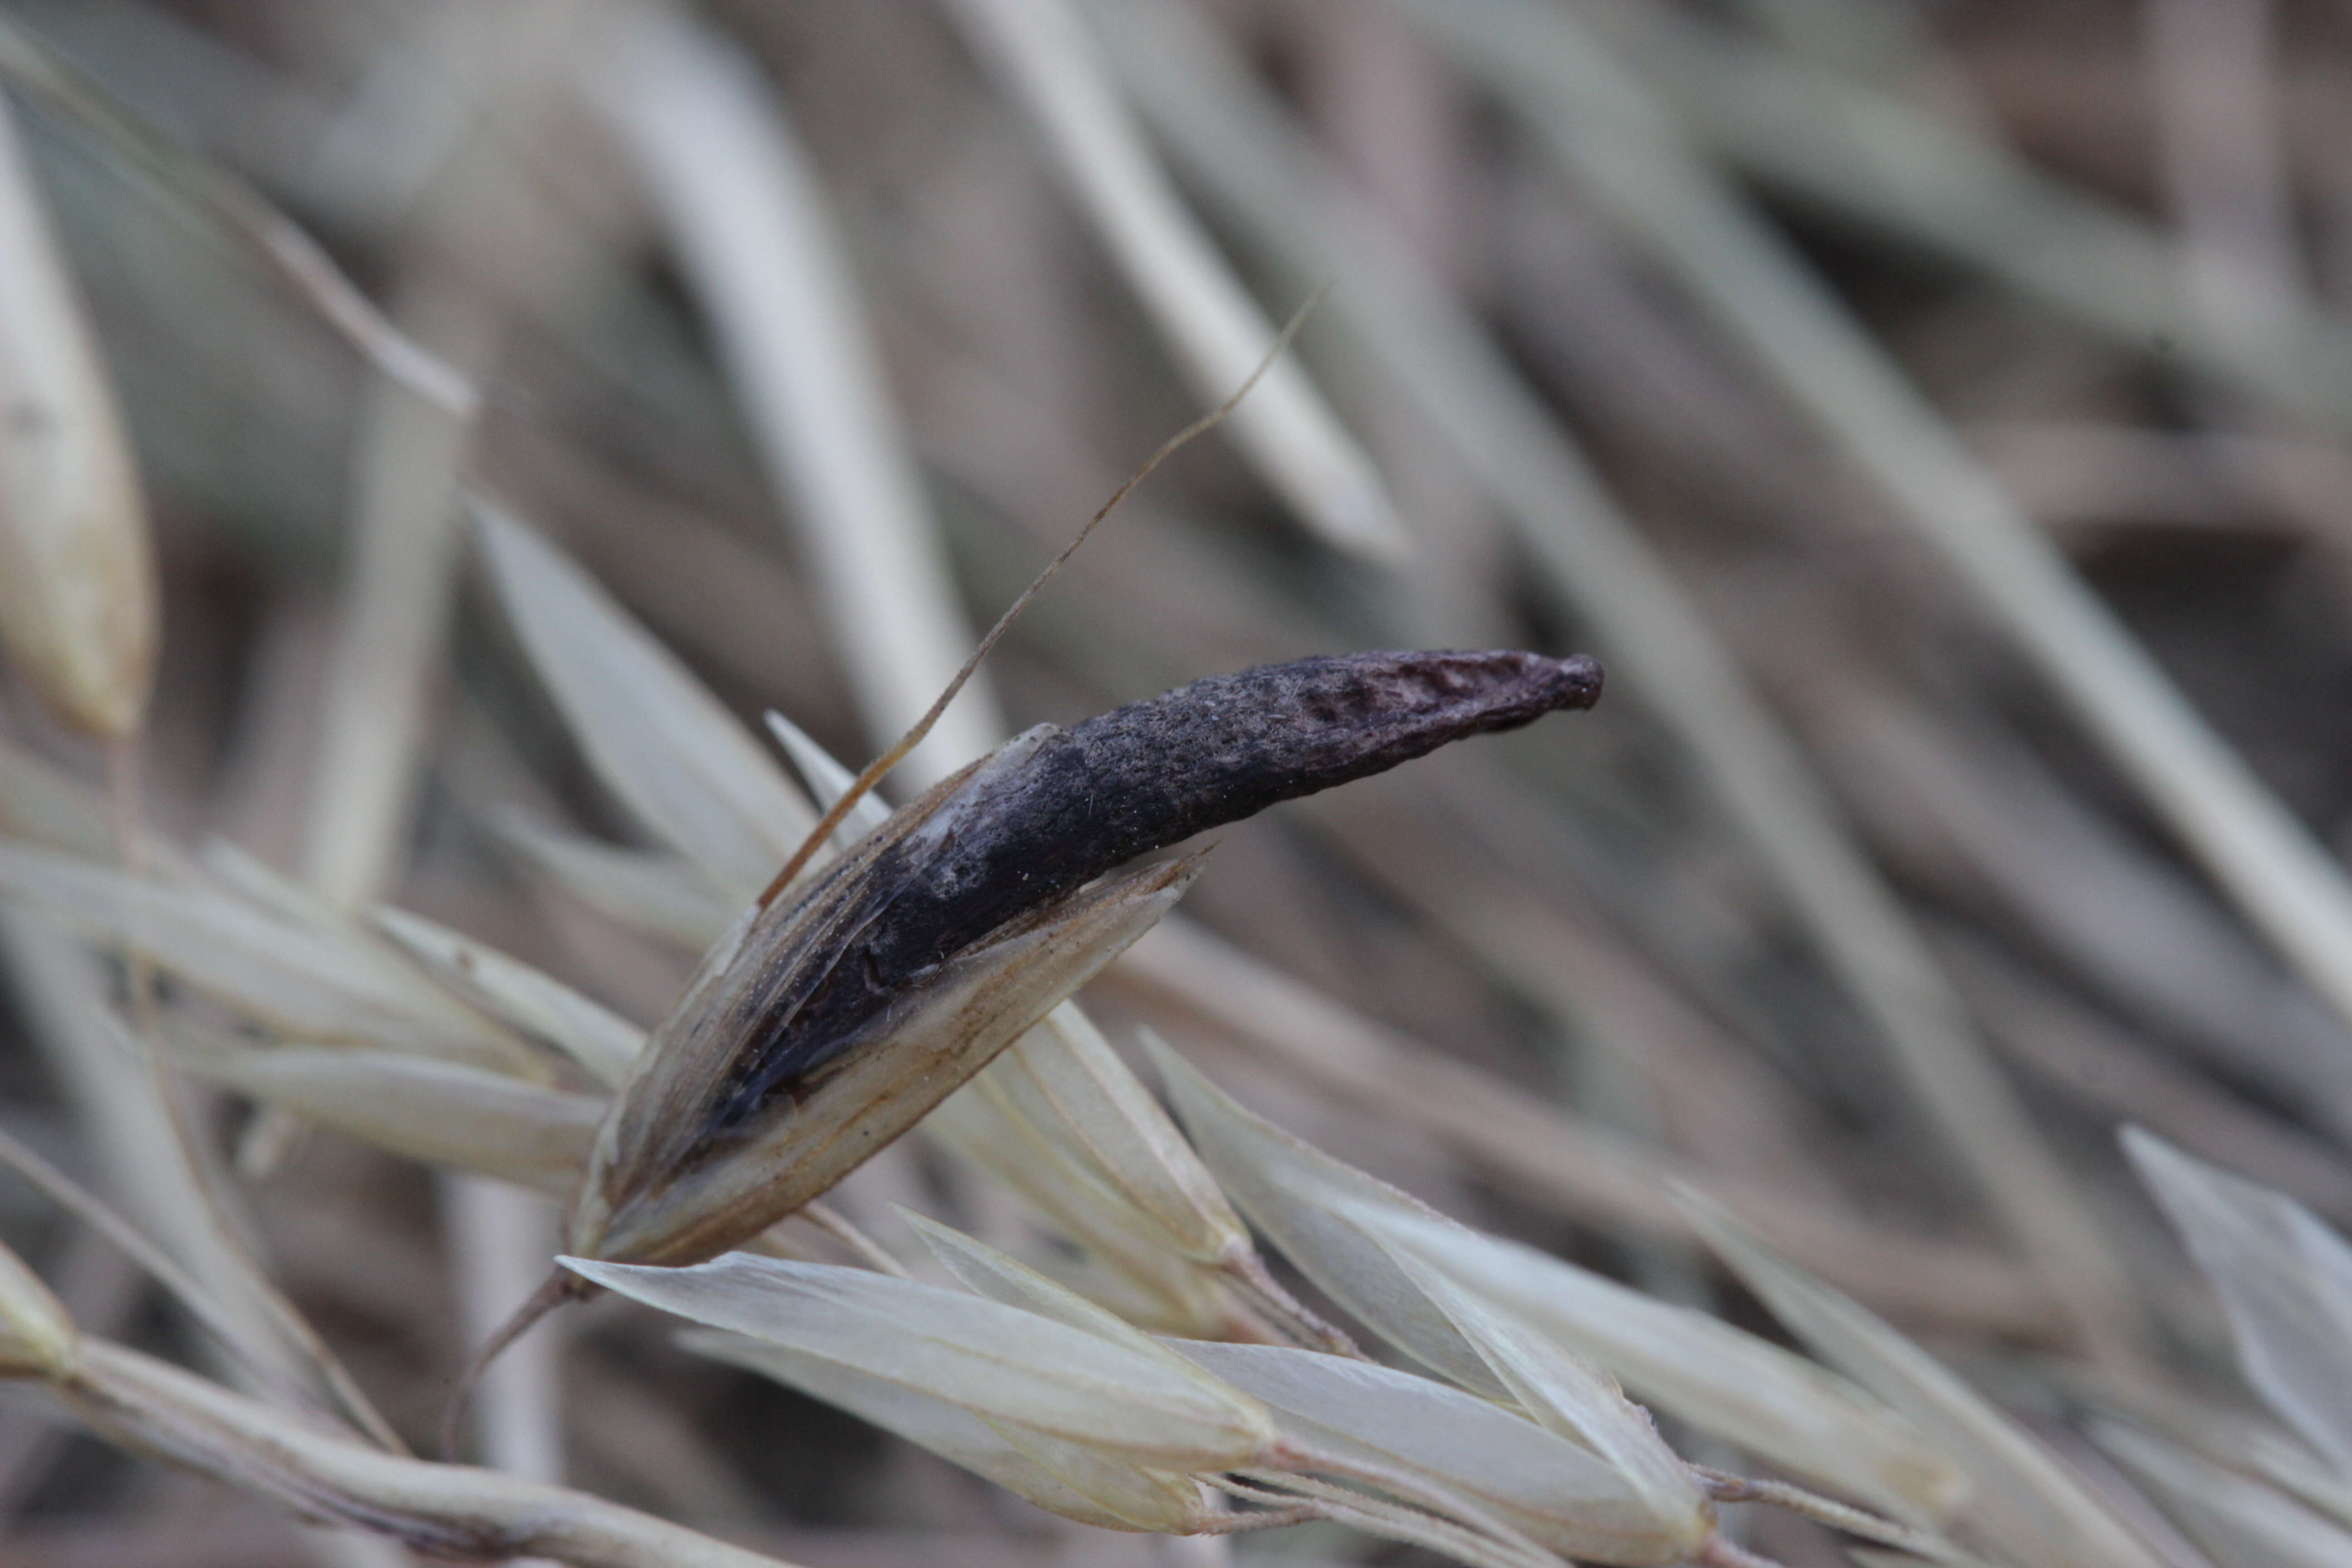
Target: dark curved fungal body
pixel 1060 808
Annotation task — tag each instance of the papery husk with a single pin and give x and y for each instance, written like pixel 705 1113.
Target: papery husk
pixel 78 596
pixel 37 1337
pixel 665 1185
pixel 444 1511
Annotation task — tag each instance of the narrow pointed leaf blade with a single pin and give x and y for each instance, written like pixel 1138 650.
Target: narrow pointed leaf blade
pixel 653 892
pixel 2240 1521
pixel 994 1361
pixel 2284 1279
pixel 656 737
pixel 323 982
pixel 1456 1446
pixel 444 1113
pixel 1299 1197
pixel 529 999
pixel 2026 1503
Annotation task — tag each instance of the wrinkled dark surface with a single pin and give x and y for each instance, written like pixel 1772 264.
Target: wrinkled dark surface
pixel 1128 782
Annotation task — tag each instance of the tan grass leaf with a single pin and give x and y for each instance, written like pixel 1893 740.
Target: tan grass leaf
pixel 2284 1278
pixel 997 1362
pixel 654 892
pixel 78 596
pixel 445 1113
pixel 529 999
pixel 319 982
pixel 36 1338
pixel 1104 1491
pixel 2025 1504
pixel 1345 1231
pixel 682 764
pixel 1456 1451
pixel 2240 1521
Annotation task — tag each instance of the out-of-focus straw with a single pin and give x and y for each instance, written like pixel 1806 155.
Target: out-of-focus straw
pixel 1601 123
pixel 1040 49
pixel 750 222
pixel 77 603
pixel 1883 163
pixel 2218 130
pixel 1589 555
pixel 384 669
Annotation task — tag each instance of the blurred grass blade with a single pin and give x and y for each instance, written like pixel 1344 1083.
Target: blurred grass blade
pixel 662 895
pixel 1349 1234
pixel 1600 122
pixel 227 206
pixel 45 806
pixel 2284 1278
pixel 2026 1503
pixel 314 981
pixel 1454 1447
pixel 1113 1495
pixel 995 1360
pixel 525 998
pixel 443 1114
pixel 1041 49
pixel 682 764
pixel 828 780
pixel 441 1511
pixel 758 240
pixel 2240 1521
pixel 78 594
pixel 36 1338
pixel 137 1126
pixel 1590 556
pixel 1887 164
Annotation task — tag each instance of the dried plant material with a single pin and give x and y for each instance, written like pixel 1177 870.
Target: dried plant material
pixel 662 895
pixel 680 762
pixel 1565 1393
pixel 444 1511
pixel 1235 140
pixel 536 1003
pixel 2239 1522
pixel 999 1363
pixel 42 806
pixel 1360 1241
pixel 756 232
pixel 1103 1492
pixel 36 1338
pixel 78 597
pixel 1599 120
pixel 960 922
pixel 219 201
pixel 1060 1121
pixel 1459 1452
pixel 2285 1279
pixel 1063 1079
pixel 442 1112
pixel 826 780
pixel 317 982
pixel 2025 1503
pixel 985 1272
pixel 689 1164
pixel 1041 48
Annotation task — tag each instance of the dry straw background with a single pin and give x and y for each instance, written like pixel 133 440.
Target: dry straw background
pixel 475 476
